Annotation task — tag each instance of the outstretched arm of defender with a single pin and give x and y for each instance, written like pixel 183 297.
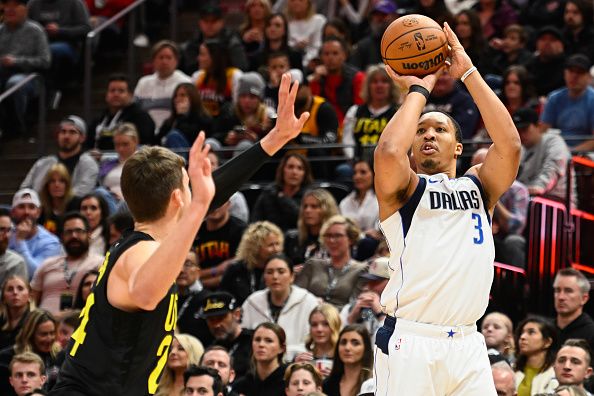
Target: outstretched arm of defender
pixel 153 268
pixel 500 167
pixel 394 180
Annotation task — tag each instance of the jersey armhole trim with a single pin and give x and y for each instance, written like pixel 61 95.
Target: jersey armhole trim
pixel 409 208
pixel 483 195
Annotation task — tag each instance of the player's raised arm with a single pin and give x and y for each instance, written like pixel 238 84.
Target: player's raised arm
pixel 394 180
pixel 153 268
pixel 500 167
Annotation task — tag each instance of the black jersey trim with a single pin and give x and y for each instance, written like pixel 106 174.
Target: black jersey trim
pixel 483 195
pixel 409 208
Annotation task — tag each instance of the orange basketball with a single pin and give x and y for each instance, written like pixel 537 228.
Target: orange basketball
pixel 414 45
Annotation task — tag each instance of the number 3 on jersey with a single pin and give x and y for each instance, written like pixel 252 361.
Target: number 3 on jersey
pixel 479 227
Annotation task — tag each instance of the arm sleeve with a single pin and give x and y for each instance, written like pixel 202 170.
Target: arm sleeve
pixel 42 57
pixel 235 172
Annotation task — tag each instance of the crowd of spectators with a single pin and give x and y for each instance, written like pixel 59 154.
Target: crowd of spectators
pixel 295 273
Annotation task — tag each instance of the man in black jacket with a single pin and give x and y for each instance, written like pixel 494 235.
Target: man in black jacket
pixel 571 292
pixel 120 109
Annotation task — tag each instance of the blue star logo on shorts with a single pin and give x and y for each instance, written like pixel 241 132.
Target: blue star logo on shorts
pixel 451 334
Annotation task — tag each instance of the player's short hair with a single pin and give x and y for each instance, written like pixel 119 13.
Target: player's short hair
pixel 27 358
pixel 148 178
pixel 582 281
pixel 579 343
pixel 199 371
pixel 457 128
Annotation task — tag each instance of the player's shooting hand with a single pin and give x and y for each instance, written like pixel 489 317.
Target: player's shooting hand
pixel 200 172
pixel 460 61
pixel 288 126
pixel 404 82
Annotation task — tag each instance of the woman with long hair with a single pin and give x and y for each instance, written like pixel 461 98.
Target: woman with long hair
pixel 317 206
pixel 259 242
pixel 335 279
pixel 280 302
pixel 305 29
pixel 252 30
pixel 497 328
pixel 84 289
pixel 536 338
pixel 38 335
pixel 217 80
pixel 518 90
pixel 279 202
pixel 188 117
pixel 94 207
pixel 16 305
pixel 361 203
pixel 276 39
pixel 302 379
pixel 353 362
pixel 266 376
pixel 57 197
pixel 436 10
pixel 495 16
pixel 363 124
pixel 184 351
pixel 470 33
pixel 324 329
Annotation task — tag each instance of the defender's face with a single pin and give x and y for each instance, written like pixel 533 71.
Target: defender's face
pixel 435 146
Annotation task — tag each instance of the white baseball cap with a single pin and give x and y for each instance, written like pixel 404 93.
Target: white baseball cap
pixel 379 269
pixel 26 195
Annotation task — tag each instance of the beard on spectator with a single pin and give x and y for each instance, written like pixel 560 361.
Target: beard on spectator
pixel 76 247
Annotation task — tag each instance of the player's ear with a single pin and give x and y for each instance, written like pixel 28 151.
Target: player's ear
pixel 177 198
pixel 459 149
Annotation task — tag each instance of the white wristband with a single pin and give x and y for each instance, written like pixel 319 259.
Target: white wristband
pixel 468 73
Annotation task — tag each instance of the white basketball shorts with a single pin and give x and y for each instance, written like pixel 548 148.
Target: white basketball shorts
pixel 418 359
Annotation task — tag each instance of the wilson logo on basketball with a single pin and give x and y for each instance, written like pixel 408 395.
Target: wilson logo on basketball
pixel 425 65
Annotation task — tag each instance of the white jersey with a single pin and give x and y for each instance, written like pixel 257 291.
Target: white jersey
pixel 442 253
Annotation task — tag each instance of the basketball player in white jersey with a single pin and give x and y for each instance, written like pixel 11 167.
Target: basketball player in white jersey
pixel 439 234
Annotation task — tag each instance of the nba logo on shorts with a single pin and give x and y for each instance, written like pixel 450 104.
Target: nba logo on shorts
pixel 398 343
pixel 420 41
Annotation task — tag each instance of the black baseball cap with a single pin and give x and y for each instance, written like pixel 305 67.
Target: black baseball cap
pixel 550 29
pixel 580 61
pixel 211 8
pixel 524 117
pixel 217 303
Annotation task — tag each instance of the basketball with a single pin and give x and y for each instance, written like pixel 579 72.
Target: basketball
pixel 414 45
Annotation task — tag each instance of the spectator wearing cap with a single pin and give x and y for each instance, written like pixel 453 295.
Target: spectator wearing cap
pixel 154 92
pixel 571 109
pixel 223 317
pixel 543 166
pixel 211 25
pixel 546 65
pixel 367 50
pixel 578 29
pixel 82 166
pixel 281 302
pixel 30 239
pixel 66 23
pixel 57 279
pixel 23 49
pixel 247 120
pixel 11 263
pixel 336 80
pixel 366 308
